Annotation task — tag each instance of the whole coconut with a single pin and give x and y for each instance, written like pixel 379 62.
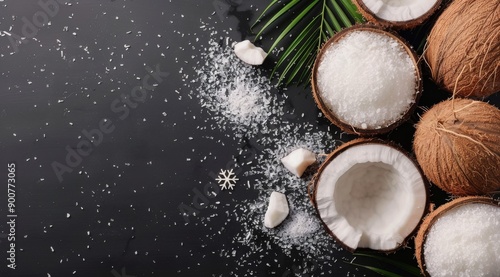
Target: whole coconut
pixel 463 48
pixel 457 144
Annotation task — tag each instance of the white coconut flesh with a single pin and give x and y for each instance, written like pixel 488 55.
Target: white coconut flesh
pixel 371 196
pixel 399 10
pixel 464 241
pixel 249 53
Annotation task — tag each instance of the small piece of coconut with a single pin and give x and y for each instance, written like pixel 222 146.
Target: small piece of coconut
pixel 249 53
pixel 277 210
pixel 297 161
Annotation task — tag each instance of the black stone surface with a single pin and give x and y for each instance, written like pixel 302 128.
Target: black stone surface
pixel 62 80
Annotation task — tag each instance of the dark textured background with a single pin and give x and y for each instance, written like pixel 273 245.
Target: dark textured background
pixel 127 191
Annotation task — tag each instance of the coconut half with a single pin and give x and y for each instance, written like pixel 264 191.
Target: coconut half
pixel 366 81
pixel 398 14
pixel 461 238
pixel 370 194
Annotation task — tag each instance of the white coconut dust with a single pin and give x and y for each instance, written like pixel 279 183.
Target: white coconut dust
pixel 464 242
pixel 299 225
pixel 241 101
pixel 236 94
pixel 367 80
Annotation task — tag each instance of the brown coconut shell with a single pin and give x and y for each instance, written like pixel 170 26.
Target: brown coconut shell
pixel 398 25
pixel 463 48
pixel 434 215
pixel 344 126
pixel 311 187
pixel 457 143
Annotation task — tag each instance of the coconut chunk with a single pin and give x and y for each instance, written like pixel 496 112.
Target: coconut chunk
pixel 371 195
pixel 249 53
pixel 298 161
pixel 277 210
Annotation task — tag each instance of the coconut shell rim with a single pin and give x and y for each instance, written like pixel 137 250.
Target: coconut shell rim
pixel 359 141
pixel 345 126
pixel 433 216
pixel 399 25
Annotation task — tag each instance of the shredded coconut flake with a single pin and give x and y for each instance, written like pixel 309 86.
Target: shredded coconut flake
pixel 367 80
pixel 239 100
pixel 236 94
pixel 301 225
pixel 464 242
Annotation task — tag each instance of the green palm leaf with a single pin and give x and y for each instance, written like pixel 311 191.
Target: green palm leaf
pixel 409 269
pixel 413 270
pixel 314 22
pixel 380 271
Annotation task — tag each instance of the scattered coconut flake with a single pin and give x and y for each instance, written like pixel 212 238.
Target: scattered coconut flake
pixel 464 242
pixel 266 134
pixel 269 175
pixel 300 225
pixel 367 79
pixel 237 96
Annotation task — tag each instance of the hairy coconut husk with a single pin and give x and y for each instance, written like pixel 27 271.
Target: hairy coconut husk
pixel 434 215
pixel 399 25
pixel 312 185
pixel 457 143
pixel 463 48
pixel 331 116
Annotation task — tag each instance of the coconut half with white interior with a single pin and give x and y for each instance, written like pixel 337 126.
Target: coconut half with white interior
pixel 461 238
pixel 398 14
pixel 365 80
pixel 370 194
